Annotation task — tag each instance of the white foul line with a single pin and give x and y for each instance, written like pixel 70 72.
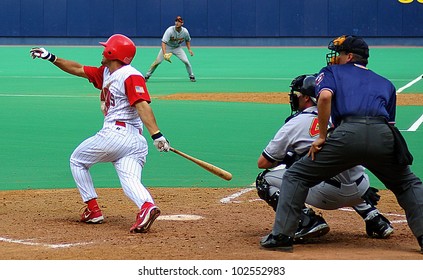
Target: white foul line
pixel 53 246
pixel 235 195
pixel 410 84
pixel 416 125
pixel 46 95
pixel 229 199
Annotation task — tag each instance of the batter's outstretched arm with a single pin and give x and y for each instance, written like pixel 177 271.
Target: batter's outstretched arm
pixel 68 66
pixel 71 67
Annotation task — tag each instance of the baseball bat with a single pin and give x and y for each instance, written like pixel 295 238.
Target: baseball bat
pixel 207 166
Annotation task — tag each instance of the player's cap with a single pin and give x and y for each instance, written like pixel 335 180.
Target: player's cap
pixel 180 19
pixel 350 44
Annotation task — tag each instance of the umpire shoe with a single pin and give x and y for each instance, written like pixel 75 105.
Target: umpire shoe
pixel 192 78
pixel 311 225
pixel 379 227
pixel 145 218
pixel 92 216
pixel 278 242
pixel 420 240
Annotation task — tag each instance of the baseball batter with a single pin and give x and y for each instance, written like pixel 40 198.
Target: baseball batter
pixel 172 41
pixel 125 105
pixel 346 189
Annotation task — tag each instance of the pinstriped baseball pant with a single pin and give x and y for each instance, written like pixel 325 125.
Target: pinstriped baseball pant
pixel 370 145
pixel 125 148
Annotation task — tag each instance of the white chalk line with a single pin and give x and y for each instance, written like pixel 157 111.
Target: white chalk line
pixel 47 95
pixel 416 124
pixel 52 246
pixel 156 78
pixel 410 83
pixel 231 199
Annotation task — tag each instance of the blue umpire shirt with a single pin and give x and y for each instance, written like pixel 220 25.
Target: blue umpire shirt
pixel 357 91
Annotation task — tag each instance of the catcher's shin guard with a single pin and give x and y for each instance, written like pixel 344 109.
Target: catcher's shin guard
pixel 267 192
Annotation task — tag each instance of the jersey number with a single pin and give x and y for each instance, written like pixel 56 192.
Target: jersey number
pixel 108 99
pixel 314 128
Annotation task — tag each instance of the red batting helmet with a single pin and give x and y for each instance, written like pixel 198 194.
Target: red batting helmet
pixel 119 47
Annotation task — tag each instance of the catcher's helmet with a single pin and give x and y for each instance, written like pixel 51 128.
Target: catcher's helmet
pixel 119 47
pixel 348 44
pixel 304 84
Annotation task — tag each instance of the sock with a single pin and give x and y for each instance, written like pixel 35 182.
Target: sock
pixel 92 204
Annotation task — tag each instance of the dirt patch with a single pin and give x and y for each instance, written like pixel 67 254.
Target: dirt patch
pixel 271 97
pixel 43 224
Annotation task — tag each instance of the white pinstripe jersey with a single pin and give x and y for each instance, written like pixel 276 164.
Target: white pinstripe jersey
pixel 120 90
pixel 173 38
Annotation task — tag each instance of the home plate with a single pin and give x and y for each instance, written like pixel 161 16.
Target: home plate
pixel 179 217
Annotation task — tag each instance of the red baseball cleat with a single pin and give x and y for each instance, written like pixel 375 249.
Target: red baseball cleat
pixel 145 218
pixel 93 216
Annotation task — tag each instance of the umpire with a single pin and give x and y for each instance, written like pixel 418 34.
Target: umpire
pixel 362 106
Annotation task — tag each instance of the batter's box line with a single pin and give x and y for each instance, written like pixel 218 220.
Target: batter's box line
pixel 231 199
pixel 52 246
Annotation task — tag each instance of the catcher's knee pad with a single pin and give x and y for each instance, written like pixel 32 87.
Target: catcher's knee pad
pixel 268 193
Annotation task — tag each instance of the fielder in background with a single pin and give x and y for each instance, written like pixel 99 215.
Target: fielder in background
pixel 125 105
pixel 172 41
pixel 362 106
pixel 350 188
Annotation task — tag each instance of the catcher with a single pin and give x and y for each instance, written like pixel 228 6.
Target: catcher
pixel 348 189
pixel 172 41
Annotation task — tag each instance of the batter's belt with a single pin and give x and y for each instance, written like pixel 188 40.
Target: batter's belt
pixel 129 127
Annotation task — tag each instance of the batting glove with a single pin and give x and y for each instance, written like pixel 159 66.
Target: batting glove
pixel 160 142
pixel 42 53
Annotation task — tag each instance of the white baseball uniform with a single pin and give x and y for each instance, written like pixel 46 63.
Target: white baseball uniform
pixel 120 141
pixel 296 135
pixel 173 40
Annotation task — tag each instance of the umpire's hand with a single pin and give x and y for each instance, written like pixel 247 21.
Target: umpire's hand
pixel 316 146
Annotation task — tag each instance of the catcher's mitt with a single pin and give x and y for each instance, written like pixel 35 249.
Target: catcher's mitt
pixel 167 57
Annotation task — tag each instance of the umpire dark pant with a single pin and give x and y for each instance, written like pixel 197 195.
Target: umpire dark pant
pixel 367 142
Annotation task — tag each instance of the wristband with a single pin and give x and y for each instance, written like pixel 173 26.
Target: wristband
pixel 156 135
pixel 52 58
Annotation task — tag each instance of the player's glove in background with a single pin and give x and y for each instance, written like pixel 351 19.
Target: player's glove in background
pixel 167 57
pixel 42 53
pixel 160 142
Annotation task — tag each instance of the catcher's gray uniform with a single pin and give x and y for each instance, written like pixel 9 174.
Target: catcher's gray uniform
pixel 341 191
